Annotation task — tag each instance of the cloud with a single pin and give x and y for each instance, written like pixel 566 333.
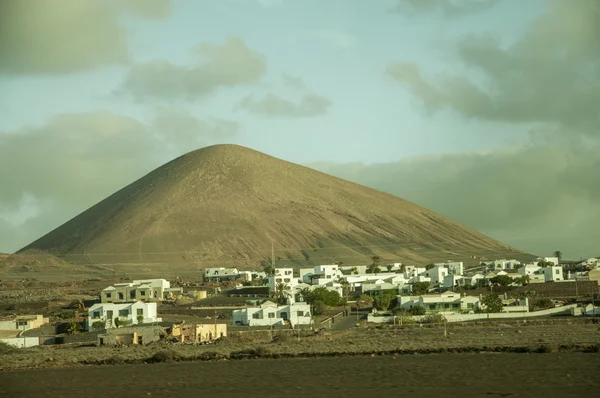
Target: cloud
pixel 52 172
pixel 186 132
pixel 337 38
pixel 538 199
pixel 62 36
pixel 550 76
pixel 450 8
pixel 293 82
pixel 219 65
pixel 310 105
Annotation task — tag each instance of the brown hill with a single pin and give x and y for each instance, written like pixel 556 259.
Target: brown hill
pixel 226 205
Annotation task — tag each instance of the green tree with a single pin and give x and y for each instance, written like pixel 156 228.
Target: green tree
pixel 403 268
pixel 140 319
pixel 502 280
pixel 384 300
pixel 419 288
pixel 318 307
pixel 364 301
pixel 492 303
pixel 345 287
pixel 429 266
pixel 524 280
pixel 389 267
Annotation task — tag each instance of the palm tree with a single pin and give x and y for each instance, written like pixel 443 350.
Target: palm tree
pixel 345 287
pixel 282 293
pixel 375 263
pixel 558 254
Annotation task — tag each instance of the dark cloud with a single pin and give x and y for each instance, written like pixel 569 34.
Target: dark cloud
pixel 450 8
pixel 228 64
pixel 310 105
pixel 551 75
pixel 53 172
pixel 65 36
pixel 538 199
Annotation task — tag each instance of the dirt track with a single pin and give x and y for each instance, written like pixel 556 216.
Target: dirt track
pixel 514 375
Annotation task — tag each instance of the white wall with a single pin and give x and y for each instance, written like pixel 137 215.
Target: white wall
pixel 149 312
pixel 21 342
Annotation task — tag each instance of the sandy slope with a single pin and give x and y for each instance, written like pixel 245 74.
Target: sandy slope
pixel 225 204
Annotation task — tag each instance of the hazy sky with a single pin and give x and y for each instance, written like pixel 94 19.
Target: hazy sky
pixel 485 111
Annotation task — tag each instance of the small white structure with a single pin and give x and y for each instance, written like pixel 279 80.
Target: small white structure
pixel 445 302
pixel 321 274
pixel 23 322
pixel 270 314
pixel 454 267
pixel 451 281
pixel 127 312
pixel 411 271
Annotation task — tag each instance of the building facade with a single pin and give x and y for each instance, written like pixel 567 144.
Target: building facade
pixel 270 314
pixel 105 314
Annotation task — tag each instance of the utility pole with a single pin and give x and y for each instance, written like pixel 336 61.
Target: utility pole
pixel 215 335
pixel 272 255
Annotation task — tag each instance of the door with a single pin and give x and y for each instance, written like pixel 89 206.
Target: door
pixel 284 316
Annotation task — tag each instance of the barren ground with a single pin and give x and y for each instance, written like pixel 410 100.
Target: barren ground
pixel 464 375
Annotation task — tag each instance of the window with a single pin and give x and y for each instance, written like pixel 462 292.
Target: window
pixel 300 313
pixel 557 272
pixel 288 272
pixel 456 305
pixel 120 296
pixel 446 305
pixel 123 312
pixel 256 315
pixel 286 280
pixel 132 294
pixel 96 315
pixel 21 323
pixel 140 311
pixel 432 306
pixel 278 280
pixel 271 315
pixel 470 305
pixel 108 295
pixel 142 293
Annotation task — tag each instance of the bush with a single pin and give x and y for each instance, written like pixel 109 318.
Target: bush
pixel 163 356
pixel 384 300
pixel 434 318
pixel 327 297
pixel 417 310
pixel 318 307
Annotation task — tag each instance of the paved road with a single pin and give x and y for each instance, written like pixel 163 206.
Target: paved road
pixel 443 375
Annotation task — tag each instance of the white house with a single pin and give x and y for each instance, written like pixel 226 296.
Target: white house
pixel 445 302
pixel 321 274
pixel 141 289
pixel 553 260
pixel 437 274
pixel 270 314
pixel 528 269
pixel 393 266
pixel 128 312
pixel 22 322
pixel 453 280
pixel 503 264
pixel 454 267
pixel 285 276
pixel 552 273
pixel 411 271
pixel 221 274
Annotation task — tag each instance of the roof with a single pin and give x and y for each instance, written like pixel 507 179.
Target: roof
pixel 109 288
pixel 9 334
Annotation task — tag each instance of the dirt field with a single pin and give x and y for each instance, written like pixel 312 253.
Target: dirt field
pixel 543 335
pixel 465 375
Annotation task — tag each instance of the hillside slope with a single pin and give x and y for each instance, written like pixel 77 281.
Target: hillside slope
pixel 226 205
